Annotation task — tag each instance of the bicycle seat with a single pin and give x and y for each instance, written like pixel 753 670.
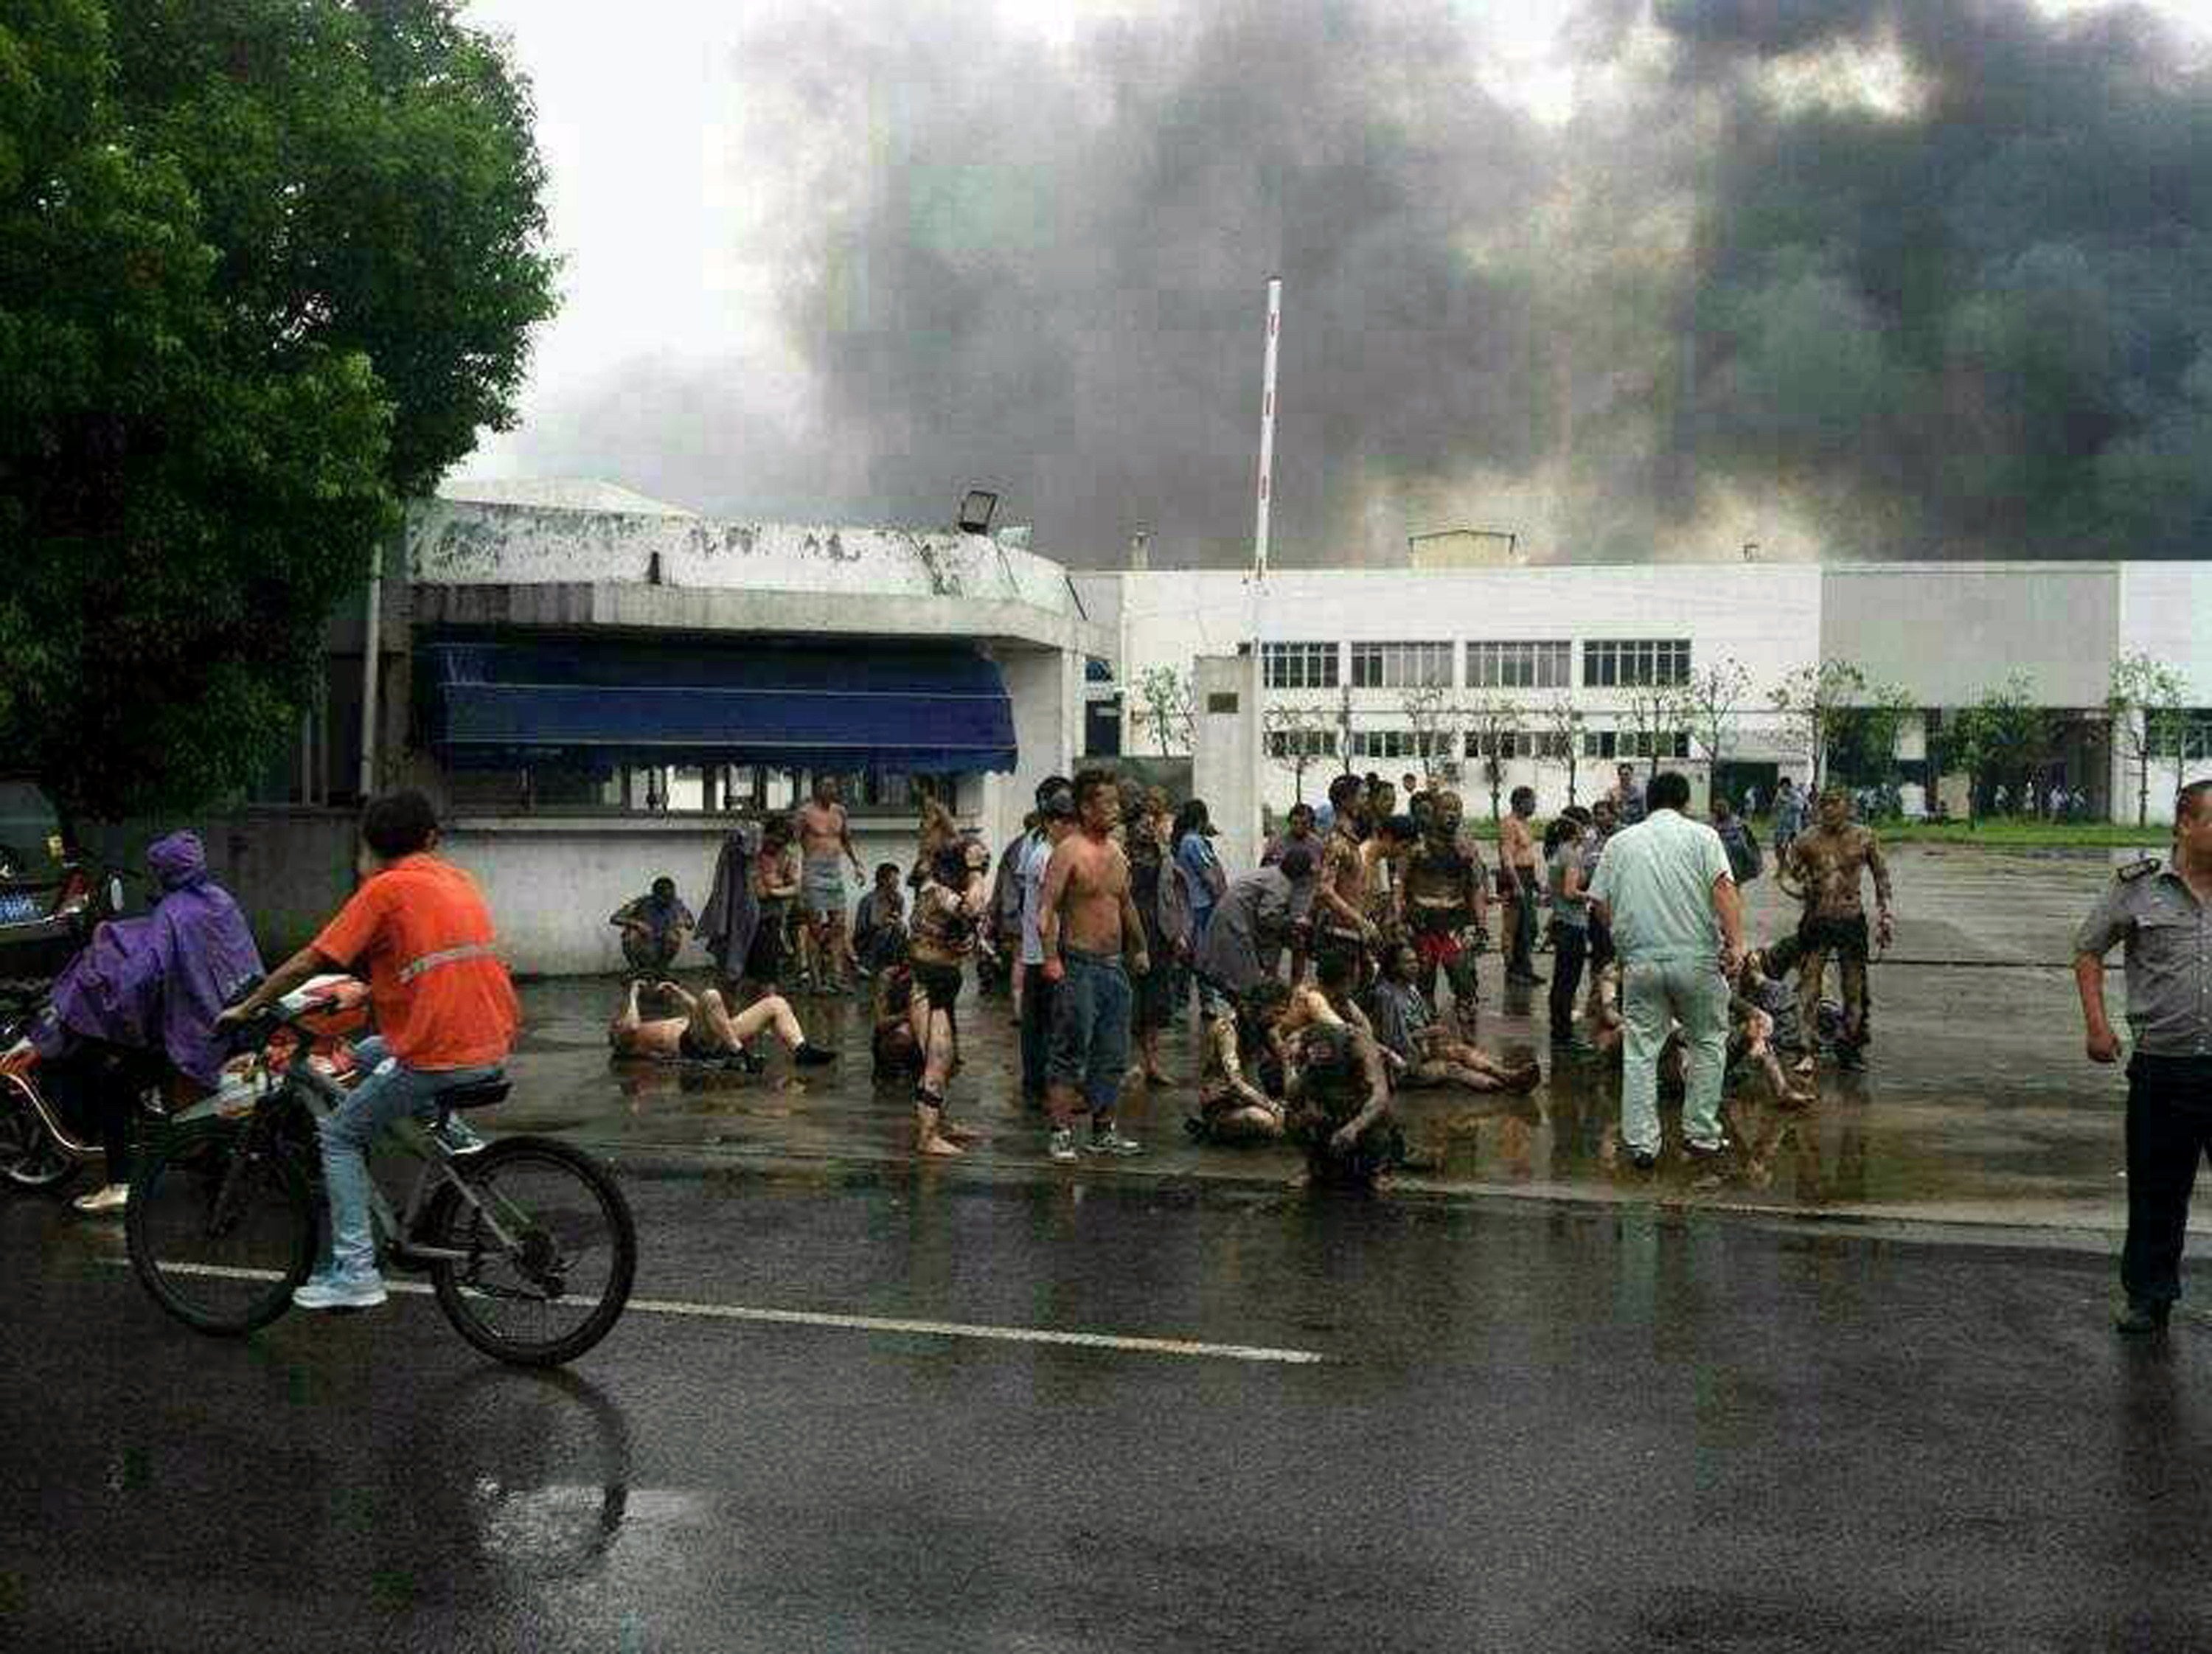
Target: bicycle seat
pixel 477 1093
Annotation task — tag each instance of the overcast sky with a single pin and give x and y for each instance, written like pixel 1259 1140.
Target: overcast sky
pixel 835 260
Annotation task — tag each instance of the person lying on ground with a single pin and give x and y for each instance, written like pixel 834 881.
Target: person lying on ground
pixel 705 1032
pixel 1406 1026
pixel 1243 1076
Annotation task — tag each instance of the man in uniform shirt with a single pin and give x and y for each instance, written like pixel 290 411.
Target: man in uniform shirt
pixel 2162 912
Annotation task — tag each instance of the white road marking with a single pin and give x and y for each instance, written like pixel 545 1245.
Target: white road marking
pixel 1092 1341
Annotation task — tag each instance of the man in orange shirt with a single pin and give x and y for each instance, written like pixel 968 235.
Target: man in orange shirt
pixel 445 1015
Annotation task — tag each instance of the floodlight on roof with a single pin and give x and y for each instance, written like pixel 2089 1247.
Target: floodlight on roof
pixel 975 509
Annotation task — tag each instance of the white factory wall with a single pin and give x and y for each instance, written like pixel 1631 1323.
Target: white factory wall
pixel 1765 615
pixel 1944 633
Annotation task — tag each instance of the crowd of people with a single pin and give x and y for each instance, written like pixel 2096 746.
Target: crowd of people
pixel 1335 974
pixel 1316 976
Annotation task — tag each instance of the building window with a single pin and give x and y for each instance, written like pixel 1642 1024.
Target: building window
pixel 1634 743
pixel 1497 744
pixel 1301 743
pixel 1520 665
pixel 1636 663
pixel 1299 665
pixel 1401 742
pixel 1401 665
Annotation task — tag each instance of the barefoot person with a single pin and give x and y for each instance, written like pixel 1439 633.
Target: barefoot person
pixel 825 846
pixel 1088 923
pixel 2160 913
pixel 1340 1108
pixel 1406 1024
pixel 774 884
pixel 1241 1080
pixel 955 900
pixel 654 927
pixel 1517 884
pixel 1824 869
pixel 706 1032
pixel 1444 903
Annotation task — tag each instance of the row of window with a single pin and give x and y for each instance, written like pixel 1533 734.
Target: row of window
pixel 1607 663
pixel 1291 745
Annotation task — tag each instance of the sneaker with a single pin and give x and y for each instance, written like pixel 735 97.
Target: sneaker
pixel 1063 1146
pixel 1110 1141
pixel 104 1202
pixel 809 1055
pixel 1642 1160
pixel 2143 1316
pixel 458 1136
pixel 333 1292
pixel 1712 1151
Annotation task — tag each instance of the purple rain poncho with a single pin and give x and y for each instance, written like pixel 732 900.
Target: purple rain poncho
pixel 156 983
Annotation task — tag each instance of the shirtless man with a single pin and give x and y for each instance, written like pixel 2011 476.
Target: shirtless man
pixel 1300 830
pixel 1390 840
pixel 824 836
pixel 775 885
pixel 1087 924
pixel 1340 1108
pixel 1823 868
pixel 705 1032
pixel 1341 921
pixel 1444 903
pixel 1518 866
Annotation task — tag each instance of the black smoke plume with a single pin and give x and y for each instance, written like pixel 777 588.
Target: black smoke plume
pixel 1967 311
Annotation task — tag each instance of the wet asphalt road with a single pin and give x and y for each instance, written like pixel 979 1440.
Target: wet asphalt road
pixel 1532 1429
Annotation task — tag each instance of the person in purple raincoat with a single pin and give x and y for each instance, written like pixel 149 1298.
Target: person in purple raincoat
pixel 141 1000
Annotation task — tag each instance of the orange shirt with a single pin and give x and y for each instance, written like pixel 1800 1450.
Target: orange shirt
pixel 442 997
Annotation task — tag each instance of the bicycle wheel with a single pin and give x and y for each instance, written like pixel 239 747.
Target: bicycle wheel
pixel 29 1156
pixel 555 1292
pixel 222 1226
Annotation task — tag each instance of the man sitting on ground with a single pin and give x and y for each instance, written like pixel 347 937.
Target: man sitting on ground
pixel 1340 1108
pixel 654 927
pixel 705 1032
pixel 1242 1080
pixel 899 1033
pixel 879 922
pixel 1406 1026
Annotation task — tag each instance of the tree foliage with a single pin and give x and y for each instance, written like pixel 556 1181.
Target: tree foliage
pixel 265 267
pixel 1564 722
pixel 1167 705
pixel 2004 736
pixel 2144 706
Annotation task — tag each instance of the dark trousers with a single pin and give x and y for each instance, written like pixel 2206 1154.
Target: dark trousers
pixel 2169 1131
pixel 96 1088
pixel 1036 1032
pixel 1522 959
pixel 1570 947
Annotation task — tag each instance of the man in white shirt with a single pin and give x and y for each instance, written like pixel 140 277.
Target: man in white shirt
pixel 1666 890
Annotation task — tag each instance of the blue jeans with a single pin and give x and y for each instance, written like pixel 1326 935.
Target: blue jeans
pixel 391 1092
pixel 1091 1014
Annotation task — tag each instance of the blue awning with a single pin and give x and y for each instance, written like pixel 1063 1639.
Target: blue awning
pixel 590 705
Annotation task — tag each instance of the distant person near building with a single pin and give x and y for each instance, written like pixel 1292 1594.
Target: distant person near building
pixel 825 846
pixel 1666 889
pixel 2160 913
pixel 655 928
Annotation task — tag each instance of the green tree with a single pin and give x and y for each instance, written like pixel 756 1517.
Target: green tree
pixel 265 267
pixel 1167 704
pixel 1565 723
pixel 2003 736
pixel 2144 708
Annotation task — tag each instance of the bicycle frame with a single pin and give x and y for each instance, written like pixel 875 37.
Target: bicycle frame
pixel 320 1096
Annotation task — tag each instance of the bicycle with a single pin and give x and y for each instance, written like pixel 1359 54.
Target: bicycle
pixel 224 1219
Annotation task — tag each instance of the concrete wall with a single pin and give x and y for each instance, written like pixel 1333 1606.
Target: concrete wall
pixel 1949 633
pixel 290 869
pixel 1225 759
pixel 453 542
pixel 551 883
pixel 1046 688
